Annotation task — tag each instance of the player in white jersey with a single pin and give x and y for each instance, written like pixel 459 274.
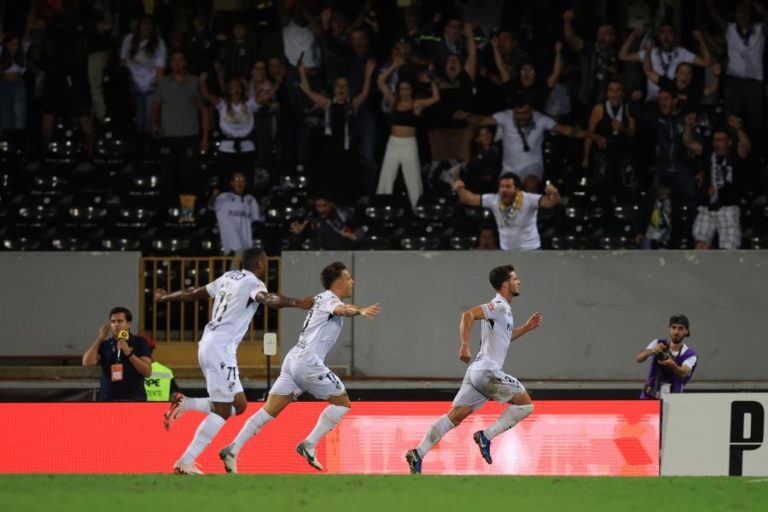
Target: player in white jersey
pixel 237 295
pixel 304 368
pixel 485 379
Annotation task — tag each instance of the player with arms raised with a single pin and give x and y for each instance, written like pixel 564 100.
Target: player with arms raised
pixel 304 368
pixel 484 379
pixel 237 295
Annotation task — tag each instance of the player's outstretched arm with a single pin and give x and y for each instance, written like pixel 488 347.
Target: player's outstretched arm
pixel 186 295
pixel 532 323
pixel 465 330
pixel 352 310
pixel 277 301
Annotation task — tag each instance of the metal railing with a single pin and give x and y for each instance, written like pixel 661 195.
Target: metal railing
pixel 180 322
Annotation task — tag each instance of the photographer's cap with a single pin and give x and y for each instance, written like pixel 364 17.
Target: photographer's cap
pixel 680 320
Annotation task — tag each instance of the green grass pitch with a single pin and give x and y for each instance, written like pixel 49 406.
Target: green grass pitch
pixel 362 493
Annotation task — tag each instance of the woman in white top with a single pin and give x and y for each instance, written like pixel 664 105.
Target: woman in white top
pixel 13 95
pixel 144 54
pixel 236 120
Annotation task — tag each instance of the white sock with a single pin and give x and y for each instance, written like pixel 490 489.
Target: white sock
pixel 436 431
pixel 325 423
pixel 508 418
pixel 198 404
pixel 252 427
pixel 205 433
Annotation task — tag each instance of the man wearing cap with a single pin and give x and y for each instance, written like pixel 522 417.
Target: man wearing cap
pixel 125 359
pixel 673 362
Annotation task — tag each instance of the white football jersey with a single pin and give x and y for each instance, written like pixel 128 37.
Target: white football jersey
pixel 234 305
pixel 495 335
pixel 321 328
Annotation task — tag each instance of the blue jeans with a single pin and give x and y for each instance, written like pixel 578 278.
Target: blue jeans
pixel 13 105
pixel 143 100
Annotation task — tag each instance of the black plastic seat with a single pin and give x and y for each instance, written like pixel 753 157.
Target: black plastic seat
pixel 385 209
pixel 283 210
pixel 421 239
pixel 434 208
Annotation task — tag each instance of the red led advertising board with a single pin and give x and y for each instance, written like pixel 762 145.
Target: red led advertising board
pixel 559 438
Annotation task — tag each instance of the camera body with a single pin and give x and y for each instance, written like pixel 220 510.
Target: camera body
pixel 664 354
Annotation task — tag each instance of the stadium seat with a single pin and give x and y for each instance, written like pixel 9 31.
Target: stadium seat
pixel 434 208
pixel 377 238
pixel 386 209
pixel 282 210
pixel 66 145
pixel 421 238
pixel 113 145
pixel 463 241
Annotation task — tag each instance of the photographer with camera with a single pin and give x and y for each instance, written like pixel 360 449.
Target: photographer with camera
pixel 673 362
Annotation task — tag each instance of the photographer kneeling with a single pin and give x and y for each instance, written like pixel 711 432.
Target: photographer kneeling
pixel 673 361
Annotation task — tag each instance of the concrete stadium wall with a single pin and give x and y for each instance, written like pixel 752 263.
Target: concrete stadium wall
pixel 53 303
pixel 600 308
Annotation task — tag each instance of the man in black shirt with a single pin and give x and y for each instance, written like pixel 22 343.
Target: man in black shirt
pixel 721 178
pixel 125 359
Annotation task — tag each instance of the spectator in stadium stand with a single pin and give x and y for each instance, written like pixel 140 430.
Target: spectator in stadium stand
pixel 201 49
pixel 666 56
pixel 481 174
pixel 402 149
pixel 487 239
pixel 144 54
pixel 98 24
pixel 66 93
pixel 504 58
pixel 237 56
pixel 722 180
pixel 745 39
pixel 672 160
pixel 672 361
pixel 236 212
pixel 523 132
pixel 236 119
pixel 599 63
pixel 175 119
pixel 653 226
pixel 450 139
pixel 337 165
pixel 613 119
pixel 689 95
pixel 515 211
pixel 451 42
pixel 528 84
pixel 13 93
pixel 331 227
pixel 125 359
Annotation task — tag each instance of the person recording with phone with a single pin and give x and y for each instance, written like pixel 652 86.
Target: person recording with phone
pixel 672 361
pixel 125 359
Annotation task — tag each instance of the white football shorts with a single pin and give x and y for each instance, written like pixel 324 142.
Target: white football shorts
pixel 222 376
pixel 479 386
pixel 298 376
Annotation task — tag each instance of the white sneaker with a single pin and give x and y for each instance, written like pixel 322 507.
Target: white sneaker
pixel 187 469
pixel 175 410
pixel 229 459
pixel 309 455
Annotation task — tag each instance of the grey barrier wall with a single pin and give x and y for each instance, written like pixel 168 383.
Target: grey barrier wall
pixel 600 308
pixel 54 303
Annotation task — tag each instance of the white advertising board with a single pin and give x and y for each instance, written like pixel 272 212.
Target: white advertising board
pixel 710 434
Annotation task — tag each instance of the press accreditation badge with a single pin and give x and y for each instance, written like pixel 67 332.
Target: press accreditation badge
pixel 117 372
